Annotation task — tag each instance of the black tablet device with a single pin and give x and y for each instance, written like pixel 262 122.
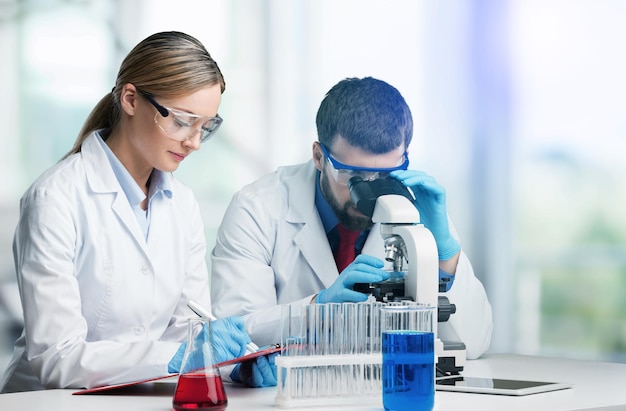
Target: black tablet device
pixel 496 385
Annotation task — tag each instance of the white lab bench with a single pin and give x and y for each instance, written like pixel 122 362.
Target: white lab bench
pixel 596 385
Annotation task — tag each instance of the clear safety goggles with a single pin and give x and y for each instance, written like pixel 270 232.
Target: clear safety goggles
pixel 176 124
pixel 342 173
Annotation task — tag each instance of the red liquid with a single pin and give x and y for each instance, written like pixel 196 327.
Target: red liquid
pixel 200 392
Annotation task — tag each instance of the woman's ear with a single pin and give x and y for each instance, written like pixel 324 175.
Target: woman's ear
pixel 318 155
pixel 128 99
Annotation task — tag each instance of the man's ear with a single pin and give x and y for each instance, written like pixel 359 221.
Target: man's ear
pixel 318 155
pixel 128 99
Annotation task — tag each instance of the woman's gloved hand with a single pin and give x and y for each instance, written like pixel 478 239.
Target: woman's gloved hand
pixel 195 361
pixel 228 340
pixel 430 201
pixel 364 269
pixel 258 373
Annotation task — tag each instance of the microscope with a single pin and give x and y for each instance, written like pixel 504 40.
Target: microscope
pixel 412 250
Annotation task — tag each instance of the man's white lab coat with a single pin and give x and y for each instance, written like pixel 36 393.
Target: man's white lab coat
pixel 272 249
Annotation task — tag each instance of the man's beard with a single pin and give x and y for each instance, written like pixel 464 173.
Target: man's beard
pixel 356 223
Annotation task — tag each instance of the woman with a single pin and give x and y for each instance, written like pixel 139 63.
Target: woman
pixel 110 247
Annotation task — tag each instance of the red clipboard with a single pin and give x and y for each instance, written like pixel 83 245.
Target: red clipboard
pixel 266 351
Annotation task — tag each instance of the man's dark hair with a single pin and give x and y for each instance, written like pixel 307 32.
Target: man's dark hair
pixel 368 113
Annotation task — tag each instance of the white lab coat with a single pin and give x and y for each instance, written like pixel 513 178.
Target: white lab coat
pixel 272 249
pixel 102 304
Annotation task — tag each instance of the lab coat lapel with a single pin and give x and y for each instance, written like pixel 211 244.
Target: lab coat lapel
pixel 122 208
pixel 311 238
pixel 102 180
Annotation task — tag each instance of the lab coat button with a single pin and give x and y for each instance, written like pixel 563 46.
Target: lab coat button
pixel 144 270
pixel 139 329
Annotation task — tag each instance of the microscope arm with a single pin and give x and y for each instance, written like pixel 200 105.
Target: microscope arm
pixel 398 216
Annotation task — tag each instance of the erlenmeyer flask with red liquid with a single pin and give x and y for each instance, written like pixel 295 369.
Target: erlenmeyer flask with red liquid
pixel 199 386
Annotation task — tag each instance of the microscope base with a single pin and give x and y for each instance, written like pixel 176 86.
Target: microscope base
pixel 450 358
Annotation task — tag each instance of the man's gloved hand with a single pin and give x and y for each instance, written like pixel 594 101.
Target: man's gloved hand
pixel 228 338
pixel 258 373
pixel 364 269
pixel 430 201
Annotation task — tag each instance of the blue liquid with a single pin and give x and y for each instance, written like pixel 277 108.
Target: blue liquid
pixel 408 370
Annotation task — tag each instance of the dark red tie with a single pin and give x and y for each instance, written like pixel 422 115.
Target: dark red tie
pixel 345 253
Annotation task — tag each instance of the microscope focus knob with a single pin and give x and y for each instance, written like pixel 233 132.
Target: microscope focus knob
pixel 444 309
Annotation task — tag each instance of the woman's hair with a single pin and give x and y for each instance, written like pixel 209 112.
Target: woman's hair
pixel 168 64
pixel 369 113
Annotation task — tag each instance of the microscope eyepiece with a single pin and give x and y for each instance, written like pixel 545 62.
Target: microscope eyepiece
pixel 364 193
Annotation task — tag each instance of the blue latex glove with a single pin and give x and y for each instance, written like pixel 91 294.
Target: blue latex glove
pixel 258 373
pixel 228 340
pixel 194 362
pixel 364 269
pixel 430 201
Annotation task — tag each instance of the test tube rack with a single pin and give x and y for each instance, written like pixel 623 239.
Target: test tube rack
pixel 331 355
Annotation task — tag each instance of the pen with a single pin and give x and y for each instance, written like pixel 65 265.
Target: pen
pixel 201 312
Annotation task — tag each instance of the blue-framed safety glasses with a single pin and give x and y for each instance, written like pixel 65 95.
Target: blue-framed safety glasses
pixel 344 172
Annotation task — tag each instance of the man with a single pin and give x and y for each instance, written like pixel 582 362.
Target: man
pixel 278 242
